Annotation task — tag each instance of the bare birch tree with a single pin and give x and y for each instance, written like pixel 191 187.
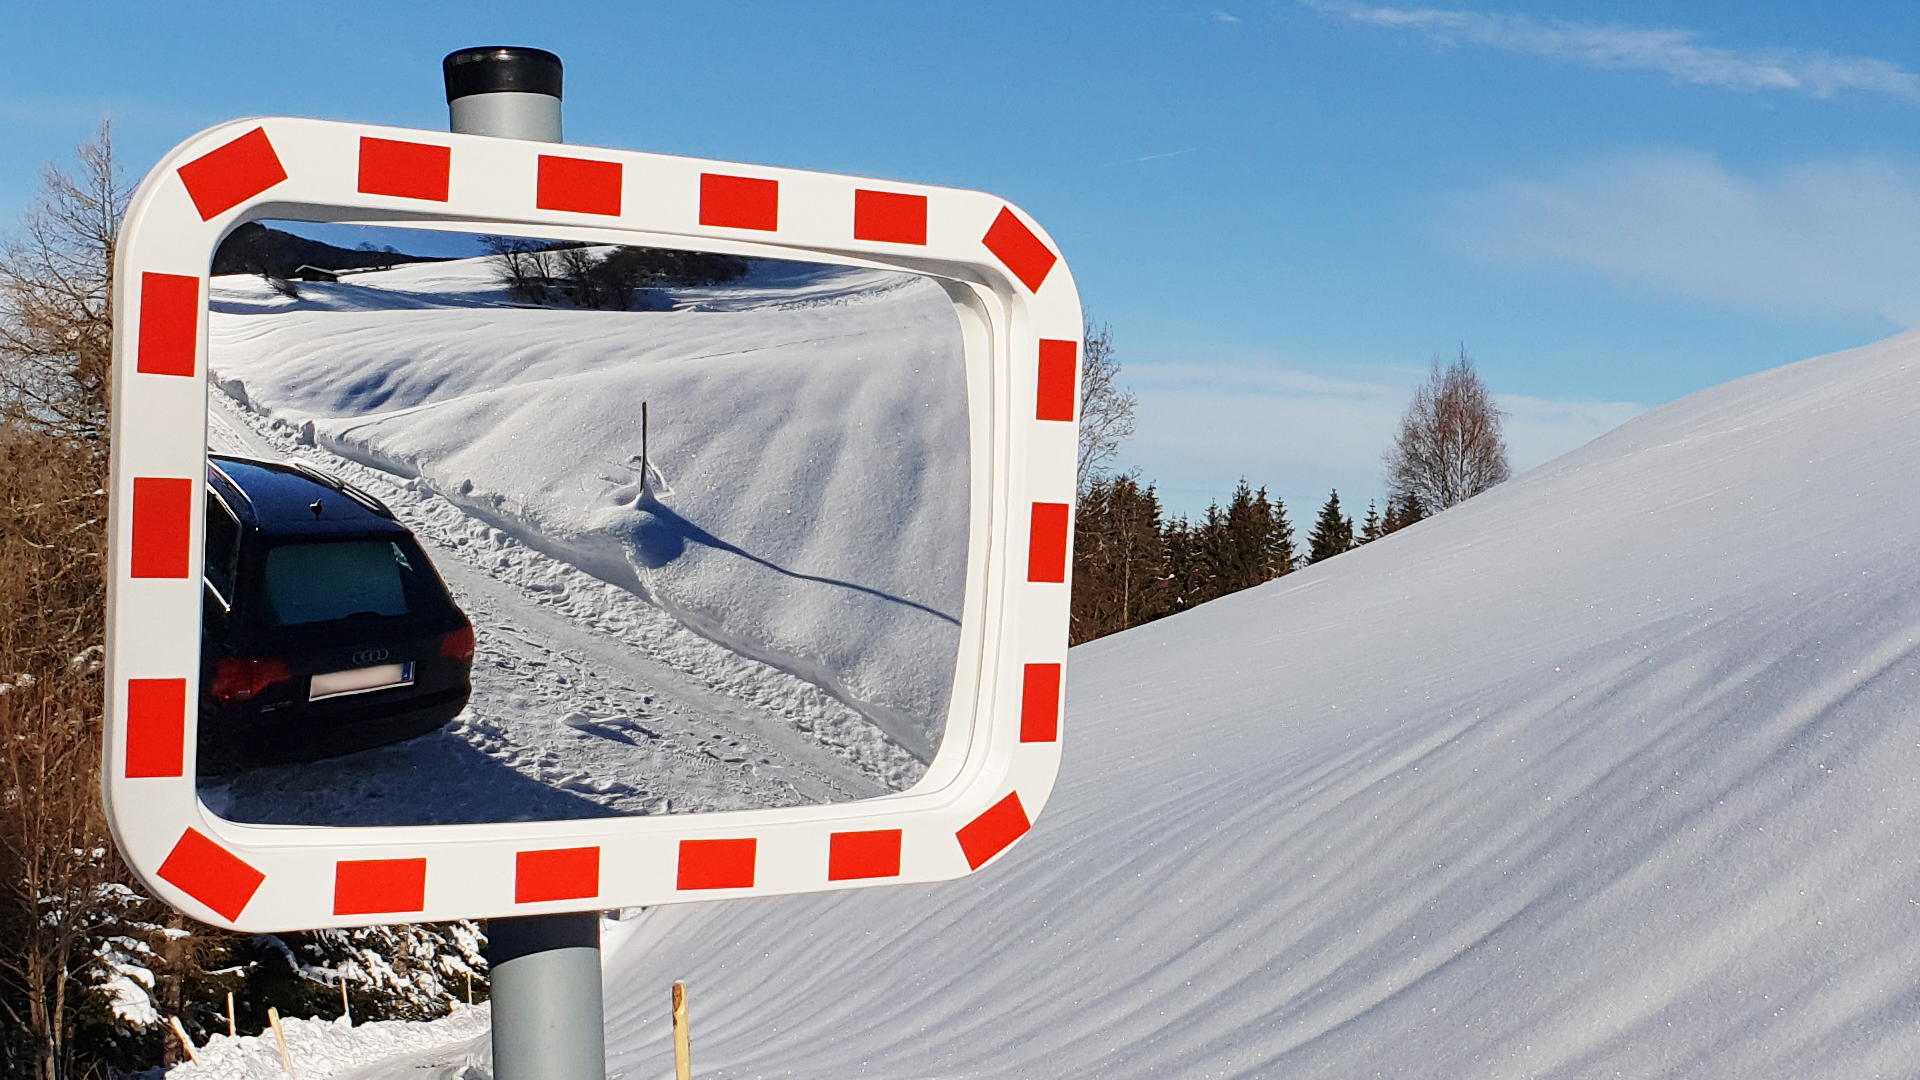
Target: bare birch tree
pixel 1449 447
pixel 1106 408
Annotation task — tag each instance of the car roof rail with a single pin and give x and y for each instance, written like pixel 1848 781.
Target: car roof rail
pixel 341 486
pixel 222 473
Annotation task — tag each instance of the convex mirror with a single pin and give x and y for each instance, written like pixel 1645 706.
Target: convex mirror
pixel 501 527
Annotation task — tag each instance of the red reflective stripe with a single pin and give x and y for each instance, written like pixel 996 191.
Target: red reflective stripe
pixel 222 179
pixel 716 864
pixel 1023 253
pixel 739 202
pixel 854 855
pixel 162 524
pixel 211 874
pixel 1040 704
pixel 556 874
pixel 408 170
pixel 889 216
pixel 156 727
pixel 1055 396
pixel 1047 544
pixel 579 185
pixel 379 886
pixel 990 833
pixel 169 324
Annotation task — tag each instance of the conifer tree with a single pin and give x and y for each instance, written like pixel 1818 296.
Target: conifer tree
pixel 1402 511
pixel 1332 533
pixel 1185 572
pixel 1374 527
pixel 1119 558
pixel 1280 552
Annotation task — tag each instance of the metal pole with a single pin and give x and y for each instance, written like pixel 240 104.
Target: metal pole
pixel 546 997
pixel 545 969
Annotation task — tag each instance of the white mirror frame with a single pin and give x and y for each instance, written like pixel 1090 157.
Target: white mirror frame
pixel 1020 316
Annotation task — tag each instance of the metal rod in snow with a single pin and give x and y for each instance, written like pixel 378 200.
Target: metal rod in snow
pixel 643 446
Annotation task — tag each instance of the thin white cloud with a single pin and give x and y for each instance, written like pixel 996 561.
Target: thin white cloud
pixel 1835 238
pixel 1678 53
pixel 1225 17
pixel 1203 426
pixel 1149 157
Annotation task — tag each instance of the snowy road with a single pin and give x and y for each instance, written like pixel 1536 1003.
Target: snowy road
pixel 587 701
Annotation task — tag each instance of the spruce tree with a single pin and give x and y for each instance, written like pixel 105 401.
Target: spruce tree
pixel 1119 558
pixel 1374 527
pixel 1332 533
pixel 1280 551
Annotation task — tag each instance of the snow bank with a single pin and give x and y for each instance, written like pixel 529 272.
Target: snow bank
pixel 1612 771
pixel 808 509
pixel 454 1047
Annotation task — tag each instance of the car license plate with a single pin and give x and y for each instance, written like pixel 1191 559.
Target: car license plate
pixel 359 681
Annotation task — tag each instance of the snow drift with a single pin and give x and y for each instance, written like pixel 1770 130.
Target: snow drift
pixel 1611 771
pixel 806 506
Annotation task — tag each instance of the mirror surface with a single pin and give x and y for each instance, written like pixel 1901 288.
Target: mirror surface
pixel 511 529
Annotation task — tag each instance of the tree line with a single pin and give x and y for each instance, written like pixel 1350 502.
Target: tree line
pixel 1133 563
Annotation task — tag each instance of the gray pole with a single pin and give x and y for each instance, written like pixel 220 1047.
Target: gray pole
pixel 545 969
pixel 545 972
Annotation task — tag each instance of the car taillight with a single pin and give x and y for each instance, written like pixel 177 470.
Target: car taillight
pixel 458 644
pixel 241 680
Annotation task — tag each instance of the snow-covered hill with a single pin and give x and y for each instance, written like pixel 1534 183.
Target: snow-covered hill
pixel 1614 771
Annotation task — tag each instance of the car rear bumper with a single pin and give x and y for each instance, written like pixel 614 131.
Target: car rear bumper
pixel 325 729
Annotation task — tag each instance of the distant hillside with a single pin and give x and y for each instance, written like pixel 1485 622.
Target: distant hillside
pixel 254 248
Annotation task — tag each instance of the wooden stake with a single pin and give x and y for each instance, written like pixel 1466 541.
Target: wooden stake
pixel 233 1030
pixel 181 1031
pixel 346 1010
pixel 682 1041
pixel 273 1021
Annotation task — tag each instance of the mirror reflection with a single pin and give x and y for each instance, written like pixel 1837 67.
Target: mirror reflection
pixel 506 528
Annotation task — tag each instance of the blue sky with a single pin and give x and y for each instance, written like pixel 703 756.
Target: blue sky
pixel 1283 209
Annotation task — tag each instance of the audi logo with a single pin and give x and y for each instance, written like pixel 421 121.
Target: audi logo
pixel 369 656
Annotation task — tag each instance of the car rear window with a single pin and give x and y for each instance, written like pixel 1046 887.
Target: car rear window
pixel 320 582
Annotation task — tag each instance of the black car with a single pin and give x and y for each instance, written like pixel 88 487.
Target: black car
pixel 325 628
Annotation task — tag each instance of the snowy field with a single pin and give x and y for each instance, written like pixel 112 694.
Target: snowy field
pixel 771 618
pixel 1614 771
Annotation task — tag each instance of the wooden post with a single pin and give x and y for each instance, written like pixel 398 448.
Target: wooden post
pixel 233 1029
pixel 682 1041
pixel 273 1021
pixel 180 1031
pixel 346 1010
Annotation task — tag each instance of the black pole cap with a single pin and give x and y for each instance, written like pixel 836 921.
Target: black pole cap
pixel 493 69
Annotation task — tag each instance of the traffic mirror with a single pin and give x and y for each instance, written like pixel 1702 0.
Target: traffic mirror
pixel 504 528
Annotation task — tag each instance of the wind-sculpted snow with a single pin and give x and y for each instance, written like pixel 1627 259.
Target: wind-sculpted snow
pixel 1614 770
pixel 808 506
